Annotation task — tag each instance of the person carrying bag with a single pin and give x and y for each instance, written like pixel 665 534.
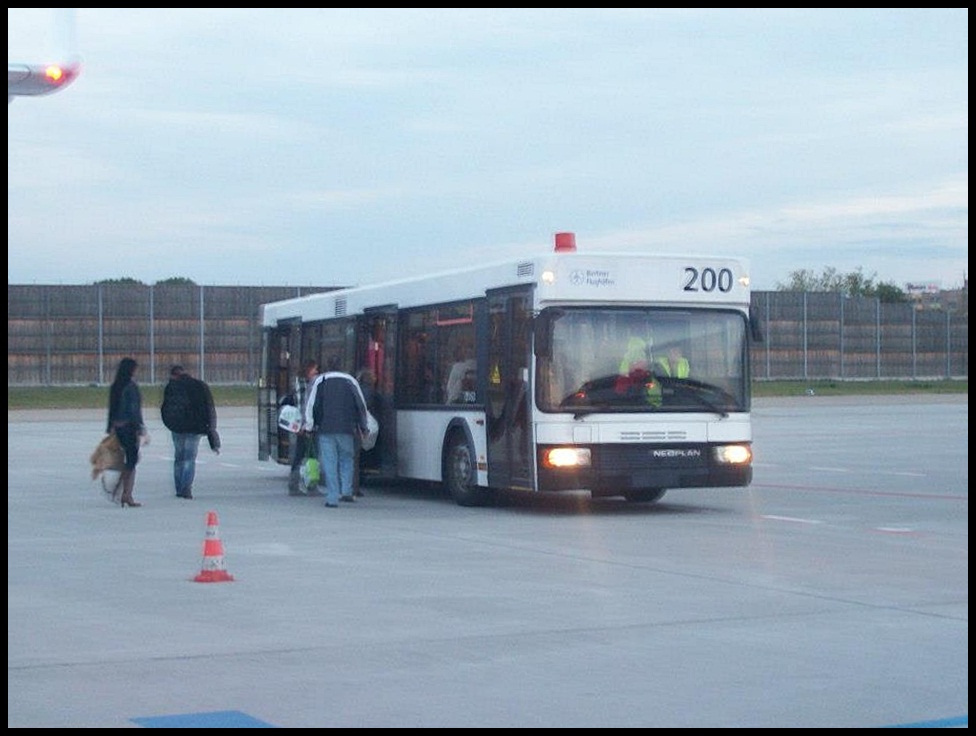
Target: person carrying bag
pixel 311 470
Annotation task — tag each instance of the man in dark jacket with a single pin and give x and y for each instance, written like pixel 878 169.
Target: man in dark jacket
pixel 336 409
pixel 188 412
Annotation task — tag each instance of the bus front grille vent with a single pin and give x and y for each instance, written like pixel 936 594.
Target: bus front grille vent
pixel 340 308
pixel 525 269
pixel 653 436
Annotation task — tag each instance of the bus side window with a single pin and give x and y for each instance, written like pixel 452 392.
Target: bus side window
pixel 460 386
pixel 468 386
pixel 430 389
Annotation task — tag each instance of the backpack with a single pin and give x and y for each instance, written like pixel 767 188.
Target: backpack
pixel 177 409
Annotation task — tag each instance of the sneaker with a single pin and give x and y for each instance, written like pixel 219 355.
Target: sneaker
pixel 348 499
pixel 313 491
pixel 331 505
pixel 359 493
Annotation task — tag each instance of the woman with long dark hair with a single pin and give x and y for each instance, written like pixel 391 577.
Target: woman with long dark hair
pixel 125 420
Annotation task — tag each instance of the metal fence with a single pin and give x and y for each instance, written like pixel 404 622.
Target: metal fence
pixel 820 335
pixel 75 335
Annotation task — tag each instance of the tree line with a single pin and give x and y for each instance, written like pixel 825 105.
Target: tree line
pixel 852 283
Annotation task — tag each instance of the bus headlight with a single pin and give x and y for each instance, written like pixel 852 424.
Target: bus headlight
pixel 566 457
pixel 733 454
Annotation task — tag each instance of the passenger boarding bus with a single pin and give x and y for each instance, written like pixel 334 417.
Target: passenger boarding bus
pixel 613 374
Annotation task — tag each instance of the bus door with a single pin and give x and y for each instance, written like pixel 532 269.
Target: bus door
pixel 376 350
pixel 282 373
pixel 508 379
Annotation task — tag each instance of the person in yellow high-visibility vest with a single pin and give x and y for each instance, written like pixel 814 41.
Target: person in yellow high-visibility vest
pixel 635 372
pixel 635 356
pixel 674 365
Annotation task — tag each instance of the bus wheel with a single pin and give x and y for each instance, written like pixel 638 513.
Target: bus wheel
pixel 645 495
pixel 459 478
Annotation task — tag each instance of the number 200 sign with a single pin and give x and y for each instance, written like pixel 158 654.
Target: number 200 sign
pixel 708 279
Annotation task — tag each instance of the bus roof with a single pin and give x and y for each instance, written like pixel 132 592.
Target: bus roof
pixel 560 277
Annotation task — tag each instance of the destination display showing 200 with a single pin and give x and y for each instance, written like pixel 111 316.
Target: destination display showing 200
pixel 708 279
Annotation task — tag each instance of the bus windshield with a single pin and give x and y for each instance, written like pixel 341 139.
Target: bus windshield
pixel 642 359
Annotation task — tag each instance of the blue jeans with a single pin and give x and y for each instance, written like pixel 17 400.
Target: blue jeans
pixel 336 453
pixel 185 447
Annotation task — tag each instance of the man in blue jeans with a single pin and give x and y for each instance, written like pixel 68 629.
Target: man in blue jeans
pixel 188 412
pixel 336 409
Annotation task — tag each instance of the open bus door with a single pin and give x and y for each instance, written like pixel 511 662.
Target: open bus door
pixel 376 349
pixel 281 353
pixel 508 390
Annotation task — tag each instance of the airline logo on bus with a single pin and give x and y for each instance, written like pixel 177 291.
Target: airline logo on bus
pixel 591 277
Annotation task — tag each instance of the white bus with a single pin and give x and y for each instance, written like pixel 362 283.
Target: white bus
pixel 548 373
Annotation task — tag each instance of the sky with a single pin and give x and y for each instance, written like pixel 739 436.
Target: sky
pixel 350 146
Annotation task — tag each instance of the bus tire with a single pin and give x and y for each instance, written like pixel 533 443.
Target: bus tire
pixel 459 474
pixel 645 495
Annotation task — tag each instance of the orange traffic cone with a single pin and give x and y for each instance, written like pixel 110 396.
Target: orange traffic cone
pixel 213 570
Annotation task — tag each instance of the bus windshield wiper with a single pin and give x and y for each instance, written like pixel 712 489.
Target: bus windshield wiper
pixel 696 389
pixel 710 404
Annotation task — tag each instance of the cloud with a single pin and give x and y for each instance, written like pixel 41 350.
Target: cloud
pixel 374 143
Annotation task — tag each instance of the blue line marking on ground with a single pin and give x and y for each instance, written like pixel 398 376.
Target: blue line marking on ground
pixel 956 722
pixel 213 719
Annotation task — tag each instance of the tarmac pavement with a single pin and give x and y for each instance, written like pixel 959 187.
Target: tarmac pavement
pixel 833 592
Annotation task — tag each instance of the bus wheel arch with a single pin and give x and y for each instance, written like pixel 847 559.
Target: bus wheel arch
pixel 645 495
pixel 459 468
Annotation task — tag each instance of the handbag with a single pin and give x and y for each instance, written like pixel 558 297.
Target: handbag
pixel 367 439
pixel 108 455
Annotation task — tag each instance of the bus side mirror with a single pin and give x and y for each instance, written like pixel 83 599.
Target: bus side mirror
pixel 542 332
pixel 755 326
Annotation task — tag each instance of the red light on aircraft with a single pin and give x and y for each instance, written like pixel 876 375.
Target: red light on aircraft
pixel 29 80
pixel 54 73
